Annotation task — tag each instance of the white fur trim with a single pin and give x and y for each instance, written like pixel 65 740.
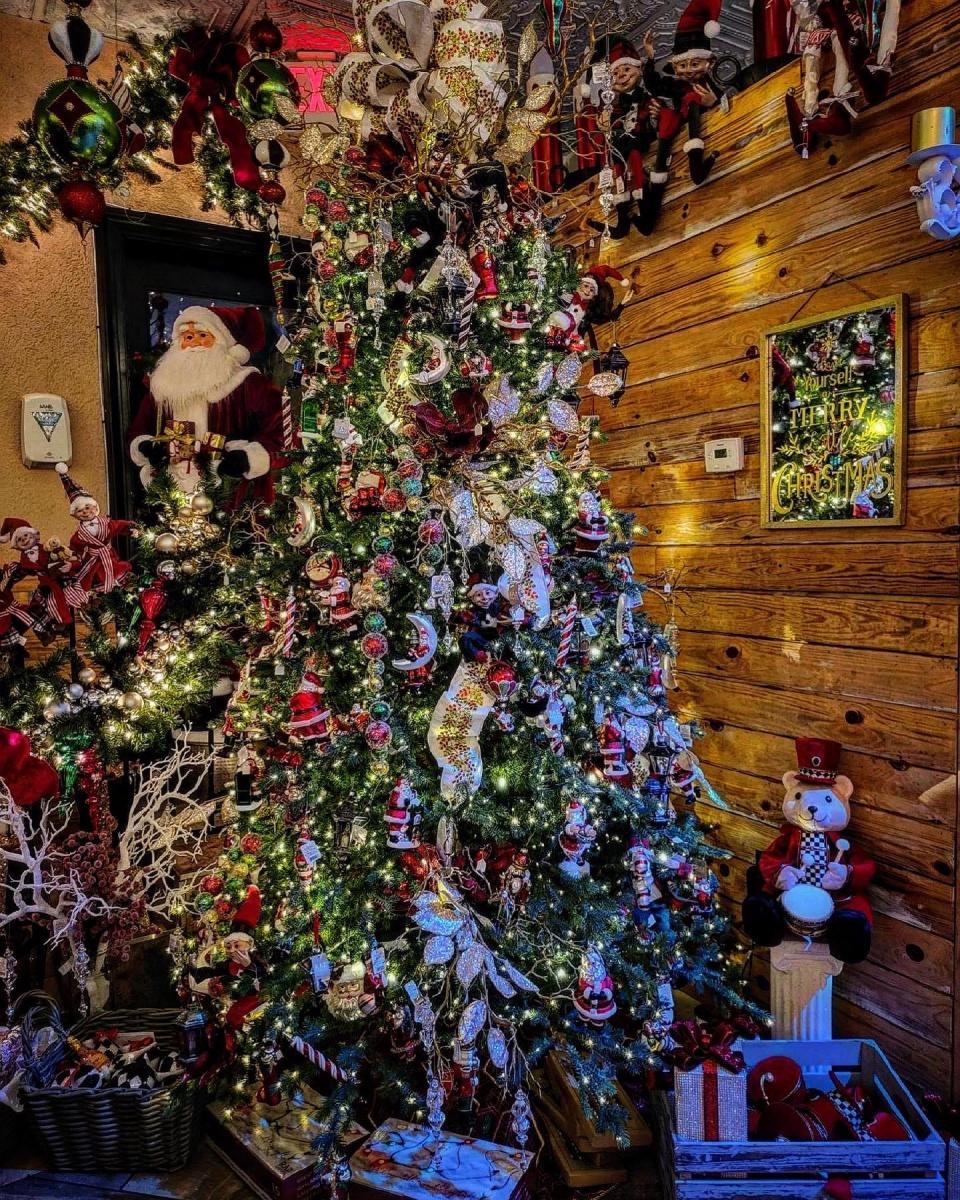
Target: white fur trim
pixel 712 29
pixel 258 457
pixel 657 177
pixel 622 198
pixel 693 144
pixel 239 352
pixel 627 62
pixel 206 319
pixel 139 458
pixel 146 474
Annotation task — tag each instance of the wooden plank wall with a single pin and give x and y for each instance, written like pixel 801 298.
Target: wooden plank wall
pixel 850 634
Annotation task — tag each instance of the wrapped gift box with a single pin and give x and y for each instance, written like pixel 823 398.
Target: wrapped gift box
pixel 711 1103
pixel 401 1159
pixel 271 1146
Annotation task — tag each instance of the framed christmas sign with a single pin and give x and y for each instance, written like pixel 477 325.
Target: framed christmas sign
pixel 833 426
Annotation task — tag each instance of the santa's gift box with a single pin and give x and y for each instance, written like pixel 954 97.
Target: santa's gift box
pixel 406 1160
pixel 709 1081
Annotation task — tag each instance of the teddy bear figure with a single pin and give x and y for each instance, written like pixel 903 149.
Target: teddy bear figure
pixel 810 881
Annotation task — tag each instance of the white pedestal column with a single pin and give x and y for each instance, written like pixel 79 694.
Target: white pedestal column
pixel 801 990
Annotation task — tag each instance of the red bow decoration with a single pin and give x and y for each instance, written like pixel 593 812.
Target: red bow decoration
pixel 28 777
pixel 696 1043
pixel 465 433
pixel 208 63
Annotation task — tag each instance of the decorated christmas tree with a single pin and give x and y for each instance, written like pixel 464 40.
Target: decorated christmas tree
pixel 466 826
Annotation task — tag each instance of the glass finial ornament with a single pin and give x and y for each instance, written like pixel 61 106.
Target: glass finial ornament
pixel 266 88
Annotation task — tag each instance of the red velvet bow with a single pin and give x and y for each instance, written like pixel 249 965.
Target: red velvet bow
pixel 28 777
pixel 466 432
pixel 208 63
pixel 696 1042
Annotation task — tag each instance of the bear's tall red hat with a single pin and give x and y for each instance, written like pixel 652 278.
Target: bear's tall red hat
pixel 817 759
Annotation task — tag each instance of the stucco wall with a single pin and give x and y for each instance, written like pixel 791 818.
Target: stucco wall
pixel 48 314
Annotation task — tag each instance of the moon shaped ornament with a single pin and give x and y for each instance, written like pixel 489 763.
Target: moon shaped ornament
pixel 304 523
pixel 426 644
pixel 437 365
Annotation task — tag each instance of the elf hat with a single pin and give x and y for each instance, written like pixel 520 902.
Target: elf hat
pixel 617 50
pixel 11 525
pixel 77 495
pixel 699 22
pixel 817 759
pixel 238 330
pixel 247 916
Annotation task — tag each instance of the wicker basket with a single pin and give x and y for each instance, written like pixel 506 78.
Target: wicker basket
pixel 108 1129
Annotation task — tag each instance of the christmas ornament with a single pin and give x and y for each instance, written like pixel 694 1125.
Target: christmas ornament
pixel 576 838
pixel 403 817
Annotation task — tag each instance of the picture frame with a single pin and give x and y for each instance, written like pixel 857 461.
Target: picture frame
pixel 833 419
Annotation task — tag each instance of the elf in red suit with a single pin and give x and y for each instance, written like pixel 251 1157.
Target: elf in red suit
pixel 101 568
pixel 810 850
pixel 54 594
pixel 211 973
pixel 205 379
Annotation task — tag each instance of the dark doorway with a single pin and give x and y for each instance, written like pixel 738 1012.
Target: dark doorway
pixel 148 269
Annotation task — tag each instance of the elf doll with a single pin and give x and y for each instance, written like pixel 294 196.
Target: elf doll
pixel 101 568
pixel 684 87
pixel 54 596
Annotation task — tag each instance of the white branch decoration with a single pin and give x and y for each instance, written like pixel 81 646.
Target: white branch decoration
pixel 167 822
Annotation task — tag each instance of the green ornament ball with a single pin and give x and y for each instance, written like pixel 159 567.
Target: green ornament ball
pixel 433 554
pixel 204 902
pixel 382 543
pixel 259 85
pixel 380 710
pixel 76 124
pixel 375 622
pixel 341 228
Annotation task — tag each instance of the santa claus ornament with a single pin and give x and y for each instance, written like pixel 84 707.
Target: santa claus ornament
pixel 207 405
pixel 100 568
pixel 810 881
pixel 593 994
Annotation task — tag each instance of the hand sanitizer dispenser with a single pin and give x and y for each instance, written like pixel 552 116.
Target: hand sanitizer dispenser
pixel 45 430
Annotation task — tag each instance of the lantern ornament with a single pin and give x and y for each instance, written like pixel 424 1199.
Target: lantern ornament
pixel 610 379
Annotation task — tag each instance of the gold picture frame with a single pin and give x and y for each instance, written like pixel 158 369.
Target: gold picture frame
pixel 833 418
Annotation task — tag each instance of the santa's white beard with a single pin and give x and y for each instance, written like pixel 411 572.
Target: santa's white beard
pixel 184 382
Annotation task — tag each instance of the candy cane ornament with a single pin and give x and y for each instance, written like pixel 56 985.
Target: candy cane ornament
pixel 566 633
pixel 317 1059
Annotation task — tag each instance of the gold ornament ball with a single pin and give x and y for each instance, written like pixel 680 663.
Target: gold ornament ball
pixel 189 567
pixel 87 676
pixel 201 503
pixel 167 543
pixel 185 513
pixel 131 701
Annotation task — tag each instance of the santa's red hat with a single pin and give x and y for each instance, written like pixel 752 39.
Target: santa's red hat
pixel 11 525
pixel 818 759
pixel 77 495
pixel 699 22
pixel 238 330
pixel 247 916
pixel 617 50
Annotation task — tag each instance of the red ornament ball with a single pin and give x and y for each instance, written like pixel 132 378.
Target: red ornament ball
pixel 374 645
pixel 318 199
pixel 250 843
pixel 393 499
pixel 431 531
pixel 378 735
pixel 212 884
pixel 265 36
pixel 385 565
pixel 272 191
pixel 338 210
pixel 409 469
pixel 502 679
pixel 355 156
pixel 327 269
pixel 223 908
pixel 82 203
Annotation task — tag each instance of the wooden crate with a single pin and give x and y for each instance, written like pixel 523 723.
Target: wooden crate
pixel 902 1170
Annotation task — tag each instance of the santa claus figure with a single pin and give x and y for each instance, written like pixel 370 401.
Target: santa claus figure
pixel 593 994
pixel 54 596
pixel 101 568
pixel 205 381
pixel 310 719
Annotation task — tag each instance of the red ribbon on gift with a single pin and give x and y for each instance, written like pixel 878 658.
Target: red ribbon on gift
pixel 697 1044
pixel 208 63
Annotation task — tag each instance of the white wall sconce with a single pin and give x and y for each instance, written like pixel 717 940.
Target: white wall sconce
pixel 936 156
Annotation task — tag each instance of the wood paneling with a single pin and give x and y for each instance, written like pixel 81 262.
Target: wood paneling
pixel 846 633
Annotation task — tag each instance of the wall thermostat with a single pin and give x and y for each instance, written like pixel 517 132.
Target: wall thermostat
pixel 725 454
pixel 45 430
